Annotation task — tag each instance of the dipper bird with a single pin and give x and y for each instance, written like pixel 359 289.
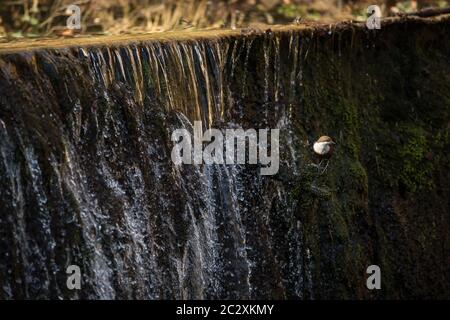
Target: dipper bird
pixel 324 148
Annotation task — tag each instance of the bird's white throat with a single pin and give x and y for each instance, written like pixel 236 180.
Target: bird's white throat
pixel 321 148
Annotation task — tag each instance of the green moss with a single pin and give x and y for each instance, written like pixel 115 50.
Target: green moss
pixel 358 172
pixel 416 169
pixel 340 230
pixel 388 111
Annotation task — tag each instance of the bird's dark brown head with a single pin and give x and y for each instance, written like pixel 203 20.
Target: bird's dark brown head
pixel 326 139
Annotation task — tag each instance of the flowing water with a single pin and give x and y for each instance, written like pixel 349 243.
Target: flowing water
pixel 87 177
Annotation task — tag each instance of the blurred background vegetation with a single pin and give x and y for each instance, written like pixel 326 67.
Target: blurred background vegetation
pixel 36 18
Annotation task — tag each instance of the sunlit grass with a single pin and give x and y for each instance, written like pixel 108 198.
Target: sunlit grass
pixel 47 18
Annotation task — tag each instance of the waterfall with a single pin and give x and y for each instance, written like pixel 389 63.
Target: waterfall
pixel 88 181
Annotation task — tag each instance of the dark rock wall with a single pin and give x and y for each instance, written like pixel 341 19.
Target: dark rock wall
pixel 385 97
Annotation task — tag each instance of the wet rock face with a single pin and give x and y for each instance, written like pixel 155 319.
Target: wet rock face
pixel 87 178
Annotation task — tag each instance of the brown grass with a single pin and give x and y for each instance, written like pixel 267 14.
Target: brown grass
pixel 37 18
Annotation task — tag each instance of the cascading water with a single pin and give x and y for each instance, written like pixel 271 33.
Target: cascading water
pixel 88 178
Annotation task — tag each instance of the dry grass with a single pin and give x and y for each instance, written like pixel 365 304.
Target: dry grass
pixel 35 18
pixel 45 17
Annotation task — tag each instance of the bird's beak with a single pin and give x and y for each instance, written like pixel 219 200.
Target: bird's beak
pixel 332 142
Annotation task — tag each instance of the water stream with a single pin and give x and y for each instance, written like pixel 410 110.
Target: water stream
pixel 87 176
